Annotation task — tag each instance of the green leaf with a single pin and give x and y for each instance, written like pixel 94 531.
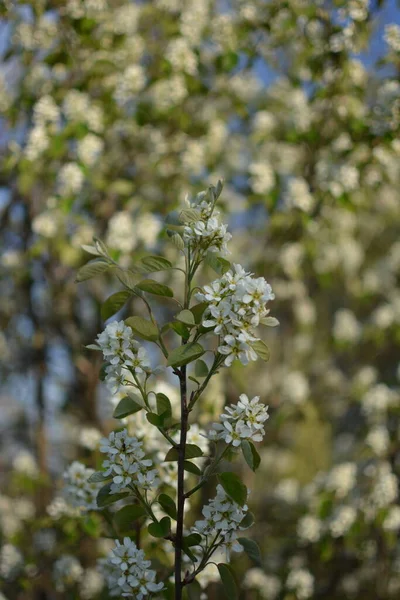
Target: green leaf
pixel 269 321
pixel 127 515
pixel 177 241
pixel 128 279
pixel 200 369
pixel 101 247
pixel 143 328
pixel 191 468
pixel 233 487
pixel 168 505
pixel 169 591
pixel 93 347
pixel 189 215
pixel 153 287
pixel 104 497
pixel 191 451
pixel 217 263
pixel 91 250
pixel 252 549
pixel 185 354
pixel 163 405
pixel 193 539
pixel 126 406
pixel 194 590
pixel 251 455
pixel 247 521
pixel 91 269
pixel 197 310
pixel 151 264
pixel 261 349
pixel 113 304
pixel 228 581
pixel 181 329
pixel 160 529
pixel 155 419
pixel 98 477
pixel 186 317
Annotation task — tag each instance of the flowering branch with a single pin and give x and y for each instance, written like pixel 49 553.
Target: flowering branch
pixel 229 308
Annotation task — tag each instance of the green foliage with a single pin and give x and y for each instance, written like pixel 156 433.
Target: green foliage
pixel 228 581
pixel 233 487
pixel 127 406
pixel 185 354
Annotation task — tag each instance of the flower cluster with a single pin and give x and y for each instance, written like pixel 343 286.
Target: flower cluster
pixel 242 421
pixel 236 305
pixel 127 572
pixel 78 491
pixel 206 233
pixel 126 463
pixel 222 516
pixel 123 354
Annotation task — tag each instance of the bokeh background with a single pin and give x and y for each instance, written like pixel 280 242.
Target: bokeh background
pixel 111 111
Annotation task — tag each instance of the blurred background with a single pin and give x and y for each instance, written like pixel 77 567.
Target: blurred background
pixel 111 111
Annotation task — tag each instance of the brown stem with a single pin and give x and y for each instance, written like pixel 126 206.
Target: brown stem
pixel 181 488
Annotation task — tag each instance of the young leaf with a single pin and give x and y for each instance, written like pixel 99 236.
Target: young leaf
pixel 91 250
pixel 228 581
pixel 181 329
pixel 168 505
pixel 153 287
pixel 126 406
pixel 127 515
pixel 247 521
pixel 113 304
pixel 163 405
pixel 189 215
pixel 100 247
pixel 143 328
pixel 191 451
pixel 185 354
pixel 91 269
pixel 104 497
pixel 217 263
pixel 128 279
pixel 186 317
pixel 233 487
pixel 178 242
pixel 251 455
pixel 151 264
pixel 200 369
pixel 98 477
pixel 261 349
pixel 160 529
pixel 252 550
pixel 269 321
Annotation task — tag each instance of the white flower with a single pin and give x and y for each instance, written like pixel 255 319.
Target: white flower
pixel 78 491
pixel 127 571
pixel 67 572
pixel 243 421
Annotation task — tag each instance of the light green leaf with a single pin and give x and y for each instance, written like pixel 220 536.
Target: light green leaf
pixel 143 328
pixel 200 368
pixel 91 250
pixel 104 497
pixel 98 477
pixel 93 347
pixel 126 406
pixel 153 287
pixel 127 515
pixel 151 264
pixel 128 279
pixel 186 317
pixel 185 354
pixel 91 269
pixel 252 550
pixel 197 310
pixel 228 581
pixel 217 263
pixel 113 304
pixel 191 451
pixel 233 487
pixel 251 455
pixel 168 505
pixel 261 349
pixel 178 242
pixel 270 321
pixel 189 215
